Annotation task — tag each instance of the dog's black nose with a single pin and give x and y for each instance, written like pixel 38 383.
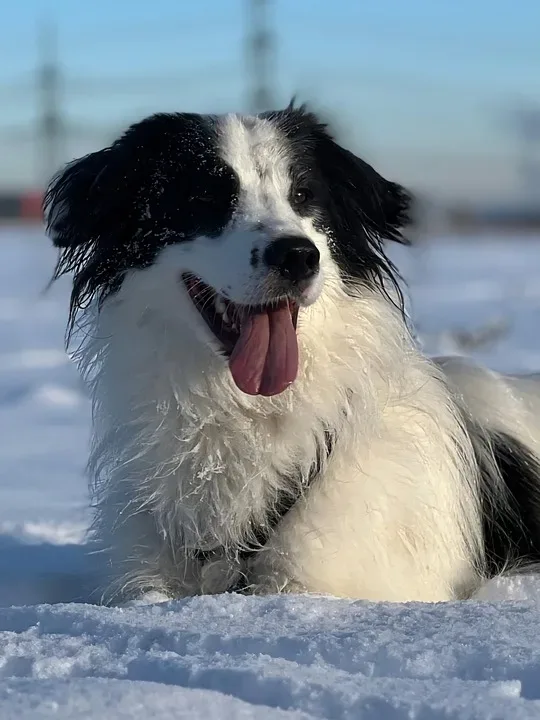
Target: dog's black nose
pixel 295 258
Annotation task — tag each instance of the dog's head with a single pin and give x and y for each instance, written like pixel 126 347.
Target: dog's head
pixel 244 219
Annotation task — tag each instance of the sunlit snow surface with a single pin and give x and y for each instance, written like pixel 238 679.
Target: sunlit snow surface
pixel 235 657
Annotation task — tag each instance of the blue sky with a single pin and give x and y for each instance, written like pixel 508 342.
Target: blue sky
pixel 423 87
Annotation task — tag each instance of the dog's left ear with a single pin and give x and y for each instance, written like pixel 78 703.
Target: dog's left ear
pixel 361 198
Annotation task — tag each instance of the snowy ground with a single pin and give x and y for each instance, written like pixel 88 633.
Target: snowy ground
pixel 233 657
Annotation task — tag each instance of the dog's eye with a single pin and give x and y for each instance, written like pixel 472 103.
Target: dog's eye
pixel 302 195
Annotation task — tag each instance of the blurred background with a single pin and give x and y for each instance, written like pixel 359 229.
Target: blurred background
pixel 441 95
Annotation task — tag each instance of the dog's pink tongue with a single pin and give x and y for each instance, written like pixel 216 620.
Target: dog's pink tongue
pixel 265 358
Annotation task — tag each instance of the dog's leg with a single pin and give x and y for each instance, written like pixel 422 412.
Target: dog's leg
pixel 138 563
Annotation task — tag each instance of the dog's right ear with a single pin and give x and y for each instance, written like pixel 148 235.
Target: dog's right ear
pixel 83 209
pixel 73 205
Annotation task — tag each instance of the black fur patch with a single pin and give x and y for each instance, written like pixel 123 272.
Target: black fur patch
pixel 356 207
pixel 511 522
pixel 162 182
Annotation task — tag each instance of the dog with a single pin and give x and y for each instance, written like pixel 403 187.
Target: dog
pixel 263 420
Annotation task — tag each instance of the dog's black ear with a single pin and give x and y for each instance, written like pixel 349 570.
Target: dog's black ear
pixel 83 208
pixel 362 200
pixel 74 202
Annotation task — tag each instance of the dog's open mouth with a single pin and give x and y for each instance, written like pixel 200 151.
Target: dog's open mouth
pixel 260 341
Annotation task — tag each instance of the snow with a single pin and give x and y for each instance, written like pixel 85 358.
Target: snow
pixel 230 656
pixel 294 657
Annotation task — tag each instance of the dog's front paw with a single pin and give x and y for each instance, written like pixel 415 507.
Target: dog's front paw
pixel 153 597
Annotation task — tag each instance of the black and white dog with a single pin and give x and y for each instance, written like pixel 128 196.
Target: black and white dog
pixel 262 419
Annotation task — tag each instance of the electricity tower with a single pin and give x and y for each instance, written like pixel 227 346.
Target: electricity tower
pixel 527 125
pixel 50 124
pixel 260 57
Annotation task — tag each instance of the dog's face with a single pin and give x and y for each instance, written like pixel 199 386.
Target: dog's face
pixel 244 219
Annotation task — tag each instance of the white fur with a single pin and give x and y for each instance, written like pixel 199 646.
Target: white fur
pixel 182 460
pixel 183 457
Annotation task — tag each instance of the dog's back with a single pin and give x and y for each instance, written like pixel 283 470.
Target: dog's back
pixel 508 403
pixel 502 413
